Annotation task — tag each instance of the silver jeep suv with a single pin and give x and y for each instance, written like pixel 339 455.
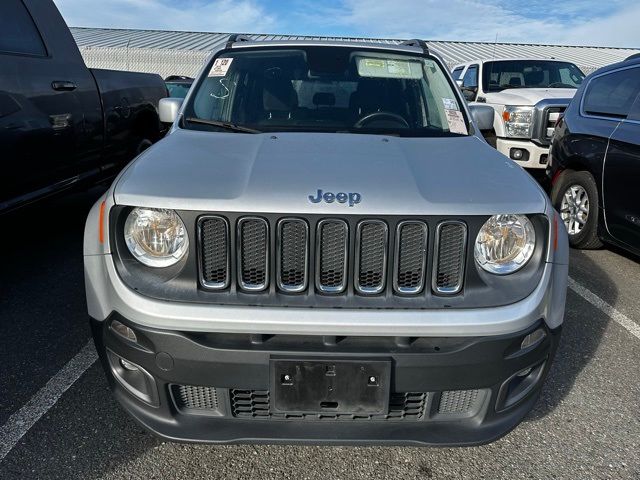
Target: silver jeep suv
pixel 324 249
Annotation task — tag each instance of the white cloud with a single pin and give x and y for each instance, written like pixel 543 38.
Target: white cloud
pixel 193 15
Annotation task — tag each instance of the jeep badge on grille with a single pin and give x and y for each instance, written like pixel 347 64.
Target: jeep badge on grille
pixel 352 198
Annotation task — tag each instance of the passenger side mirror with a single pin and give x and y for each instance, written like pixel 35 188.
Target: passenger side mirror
pixel 168 109
pixel 482 115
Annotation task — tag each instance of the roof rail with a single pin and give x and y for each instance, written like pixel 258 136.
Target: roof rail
pixel 416 42
pixel 237 37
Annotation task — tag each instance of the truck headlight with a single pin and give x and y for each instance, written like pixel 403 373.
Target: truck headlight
pixel 156 237
pixel 518 121
pixel 505 244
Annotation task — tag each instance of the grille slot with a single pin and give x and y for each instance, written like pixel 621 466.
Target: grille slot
pixel 552 115
pixel 450 250
pixel 331 251
pixel 406 406
pixel 411 257
pixel 372 238
pixel 214 240
pixel 253 253
pixel 457 401
pixel 293 255
pixel 191 397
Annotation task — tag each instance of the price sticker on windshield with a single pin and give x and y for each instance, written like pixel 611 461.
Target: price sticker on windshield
pixel 456 122
pixel 220 67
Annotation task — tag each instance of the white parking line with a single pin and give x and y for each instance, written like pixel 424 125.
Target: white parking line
pixel 21 421
pixel 620 318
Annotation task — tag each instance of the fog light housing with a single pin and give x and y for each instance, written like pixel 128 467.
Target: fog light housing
pixel 134 379
pixel 519 154
pixel 519 385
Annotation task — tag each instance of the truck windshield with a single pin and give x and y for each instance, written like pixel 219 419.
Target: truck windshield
pixel 325 89
pixel 500 75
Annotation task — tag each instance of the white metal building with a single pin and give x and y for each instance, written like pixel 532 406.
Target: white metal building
pixel 182 53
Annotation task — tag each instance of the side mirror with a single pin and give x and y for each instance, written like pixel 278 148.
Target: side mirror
pixel 168 109
pixel 482 115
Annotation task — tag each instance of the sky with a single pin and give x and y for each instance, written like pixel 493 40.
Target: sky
pixel 613 23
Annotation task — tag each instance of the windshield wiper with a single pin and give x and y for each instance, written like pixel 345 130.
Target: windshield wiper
pixel 224 125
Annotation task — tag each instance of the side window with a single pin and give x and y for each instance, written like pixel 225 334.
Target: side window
pixel 18 33
pixel 612 94
pixel 471 77
pixel 456 73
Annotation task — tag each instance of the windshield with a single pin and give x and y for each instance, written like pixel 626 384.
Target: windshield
pixel 501 75
pixel 326 89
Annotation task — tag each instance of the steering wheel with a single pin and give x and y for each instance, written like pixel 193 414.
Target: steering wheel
pixel 381 115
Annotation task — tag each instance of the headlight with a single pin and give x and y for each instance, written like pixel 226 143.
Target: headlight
pixel 156 237
pixel 518 121
pixel 505 244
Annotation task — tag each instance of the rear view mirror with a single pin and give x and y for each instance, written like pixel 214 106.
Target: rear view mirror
pixel 168 109
pixel 482 116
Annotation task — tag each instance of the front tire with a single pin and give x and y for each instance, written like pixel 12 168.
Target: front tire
pixel 575 197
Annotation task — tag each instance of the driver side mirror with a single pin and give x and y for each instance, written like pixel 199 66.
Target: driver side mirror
pixel 168 109
pixel 482 116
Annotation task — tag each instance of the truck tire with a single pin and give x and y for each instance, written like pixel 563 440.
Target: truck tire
pixel 575 196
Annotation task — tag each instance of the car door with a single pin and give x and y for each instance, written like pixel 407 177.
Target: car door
pixel 622 163
pixel 41 113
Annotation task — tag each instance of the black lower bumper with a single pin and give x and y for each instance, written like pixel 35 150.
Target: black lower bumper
pixel 200 387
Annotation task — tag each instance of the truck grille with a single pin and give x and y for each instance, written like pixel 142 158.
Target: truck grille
pixel 330 256
pixel 552 117
pixel 192 397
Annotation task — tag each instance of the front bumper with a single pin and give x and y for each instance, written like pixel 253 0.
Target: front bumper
pixel 538 155
pixel 214 387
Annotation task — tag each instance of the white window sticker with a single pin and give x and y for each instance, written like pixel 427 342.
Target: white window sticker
pixel 456 122
pixel 450 104
pixel 220 67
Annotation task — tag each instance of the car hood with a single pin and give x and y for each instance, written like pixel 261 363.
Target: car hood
pixel 528 96
pixel 196 170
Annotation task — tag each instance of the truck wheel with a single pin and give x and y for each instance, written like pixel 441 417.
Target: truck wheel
pixel 575 196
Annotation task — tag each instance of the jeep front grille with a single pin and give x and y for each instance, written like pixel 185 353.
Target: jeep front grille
pixel 253 253
pixel 214 237
pixel 333 244
pixel 331 257
pixel 371 256
pixel 411 257
pixel 293 254
pixel 451 240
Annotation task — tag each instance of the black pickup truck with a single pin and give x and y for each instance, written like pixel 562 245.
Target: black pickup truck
pixel 61 123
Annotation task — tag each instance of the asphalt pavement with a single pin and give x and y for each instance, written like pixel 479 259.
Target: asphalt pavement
pixel 586 424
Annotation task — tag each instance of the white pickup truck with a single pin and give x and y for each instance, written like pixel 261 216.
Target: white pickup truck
pixel 527 95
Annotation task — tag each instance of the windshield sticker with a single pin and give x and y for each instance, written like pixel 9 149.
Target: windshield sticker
pixel 456 122
pixel 450 104
pixel 220 67
pixel 387 68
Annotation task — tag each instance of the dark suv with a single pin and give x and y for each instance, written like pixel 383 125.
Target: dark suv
pixel 595 159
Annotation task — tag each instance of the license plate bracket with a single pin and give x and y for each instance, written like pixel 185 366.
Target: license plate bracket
pixel 316 386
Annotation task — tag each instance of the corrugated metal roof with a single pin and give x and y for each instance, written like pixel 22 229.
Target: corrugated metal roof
pixel 453 52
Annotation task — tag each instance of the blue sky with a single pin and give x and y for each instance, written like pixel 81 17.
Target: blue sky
pixel 575 22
